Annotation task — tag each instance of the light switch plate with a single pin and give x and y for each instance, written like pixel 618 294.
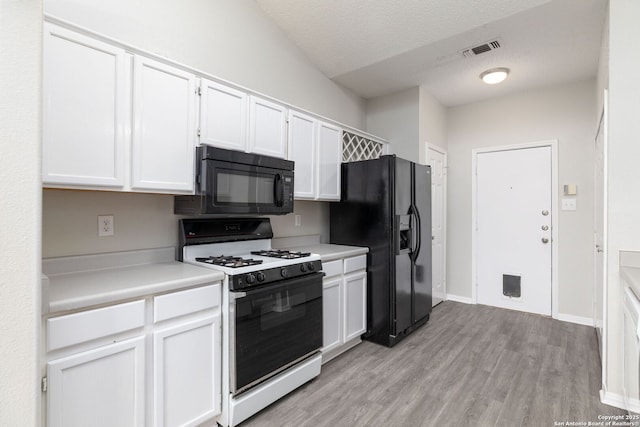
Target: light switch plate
pixel 568 204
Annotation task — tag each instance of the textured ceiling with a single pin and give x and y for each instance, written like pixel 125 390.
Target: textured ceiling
pixel 376 47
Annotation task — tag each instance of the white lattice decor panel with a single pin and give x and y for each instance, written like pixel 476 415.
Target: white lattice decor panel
pixel 356 147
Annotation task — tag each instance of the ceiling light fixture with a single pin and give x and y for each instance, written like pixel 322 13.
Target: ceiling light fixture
pixel 494 75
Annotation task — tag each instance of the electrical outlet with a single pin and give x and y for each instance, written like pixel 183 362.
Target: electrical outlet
pixel 297 220
pixel 105 225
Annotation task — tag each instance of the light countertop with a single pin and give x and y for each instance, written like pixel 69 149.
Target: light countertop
pixel 110 278
pixel 327 251
pixel 630 269
pixel 631 276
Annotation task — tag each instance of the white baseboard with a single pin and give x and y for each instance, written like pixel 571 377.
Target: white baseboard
pixel 456 298
pixel 587 321
pixel 612 399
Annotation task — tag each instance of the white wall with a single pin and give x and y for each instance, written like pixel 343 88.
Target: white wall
pixel 623 168
pixel 433 123
pixel 602 78
pixel 230 39
pixel 566 113
pixel 227 38
pixel 396 118
pixel 20 76
pixel 69 223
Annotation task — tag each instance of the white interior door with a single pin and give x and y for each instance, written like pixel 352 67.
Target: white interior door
pixel 437 161
pixel 599 223
pixel 514 222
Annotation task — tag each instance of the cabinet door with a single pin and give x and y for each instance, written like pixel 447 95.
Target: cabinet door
pixel 84 110
pixel 329 160
pixel 164 127
pixel 223 116
pixel 331 314
pixel 100 387
pixel 187 373
pixel 355 305
pixel 267 128
pixel 302 150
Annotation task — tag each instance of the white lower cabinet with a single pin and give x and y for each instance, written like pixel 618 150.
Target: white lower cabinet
pixel 344 300
pixel 355 305
pixel 331 304
pixel 631 351
pixel 187 359
pixel 115 366
pixel 99 387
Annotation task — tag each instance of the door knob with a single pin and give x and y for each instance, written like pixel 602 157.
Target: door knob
pixel 545 227
pixel 545 240
pixel 545 212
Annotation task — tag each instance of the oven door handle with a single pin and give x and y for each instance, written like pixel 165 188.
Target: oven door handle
pixel 234 295
pixel 292 283
pixel 278 190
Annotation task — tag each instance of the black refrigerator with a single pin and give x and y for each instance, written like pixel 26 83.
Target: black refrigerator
pixel 386 206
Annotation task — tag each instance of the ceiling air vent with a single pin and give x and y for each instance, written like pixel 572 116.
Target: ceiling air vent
pixel 480 49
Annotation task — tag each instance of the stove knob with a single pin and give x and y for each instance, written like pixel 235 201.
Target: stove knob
pixel 303 267
pixel 311 266
pixel 261 276
pixel 284 272
pixel 250 278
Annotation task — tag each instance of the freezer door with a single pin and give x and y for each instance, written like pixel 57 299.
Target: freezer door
pixel 422 252
pixel 403 270
pixel 364 217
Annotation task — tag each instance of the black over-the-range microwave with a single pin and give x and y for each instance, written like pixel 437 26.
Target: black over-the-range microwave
pixel 233 182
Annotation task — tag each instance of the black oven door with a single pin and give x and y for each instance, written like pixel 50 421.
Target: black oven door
pixel 235 188
pixel 273 327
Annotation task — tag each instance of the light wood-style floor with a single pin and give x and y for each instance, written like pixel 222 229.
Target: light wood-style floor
pixel 470 365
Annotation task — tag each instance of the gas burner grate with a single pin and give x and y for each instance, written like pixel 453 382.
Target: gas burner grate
pixel 281 253
pixel 229 261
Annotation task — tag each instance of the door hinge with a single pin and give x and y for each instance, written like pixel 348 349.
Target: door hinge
pixel 198 132
pixel 199 91
pixel 44 384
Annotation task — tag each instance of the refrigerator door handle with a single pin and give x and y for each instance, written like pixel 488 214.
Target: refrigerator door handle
pixel 417 227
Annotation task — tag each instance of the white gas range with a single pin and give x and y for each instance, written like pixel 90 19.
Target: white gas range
pixel 271 311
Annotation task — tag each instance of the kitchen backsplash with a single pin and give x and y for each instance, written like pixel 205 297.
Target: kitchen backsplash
pixel 140 221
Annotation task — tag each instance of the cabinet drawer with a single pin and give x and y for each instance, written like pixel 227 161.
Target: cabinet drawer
pixel 76 328
pixel 185 302
pixel 332 268
pixel 355 263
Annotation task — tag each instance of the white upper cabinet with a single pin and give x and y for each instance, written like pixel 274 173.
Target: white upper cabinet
pixel 85 109
pixel 164 127
pixel 267 127
pixel 302 150
pixel 316 149
pixel 329 161
pixel 223 116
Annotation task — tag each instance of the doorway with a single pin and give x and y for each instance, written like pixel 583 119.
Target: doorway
pixel 515 227
pixel 437 159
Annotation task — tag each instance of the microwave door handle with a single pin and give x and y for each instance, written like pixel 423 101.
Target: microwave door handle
pixel 278 190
